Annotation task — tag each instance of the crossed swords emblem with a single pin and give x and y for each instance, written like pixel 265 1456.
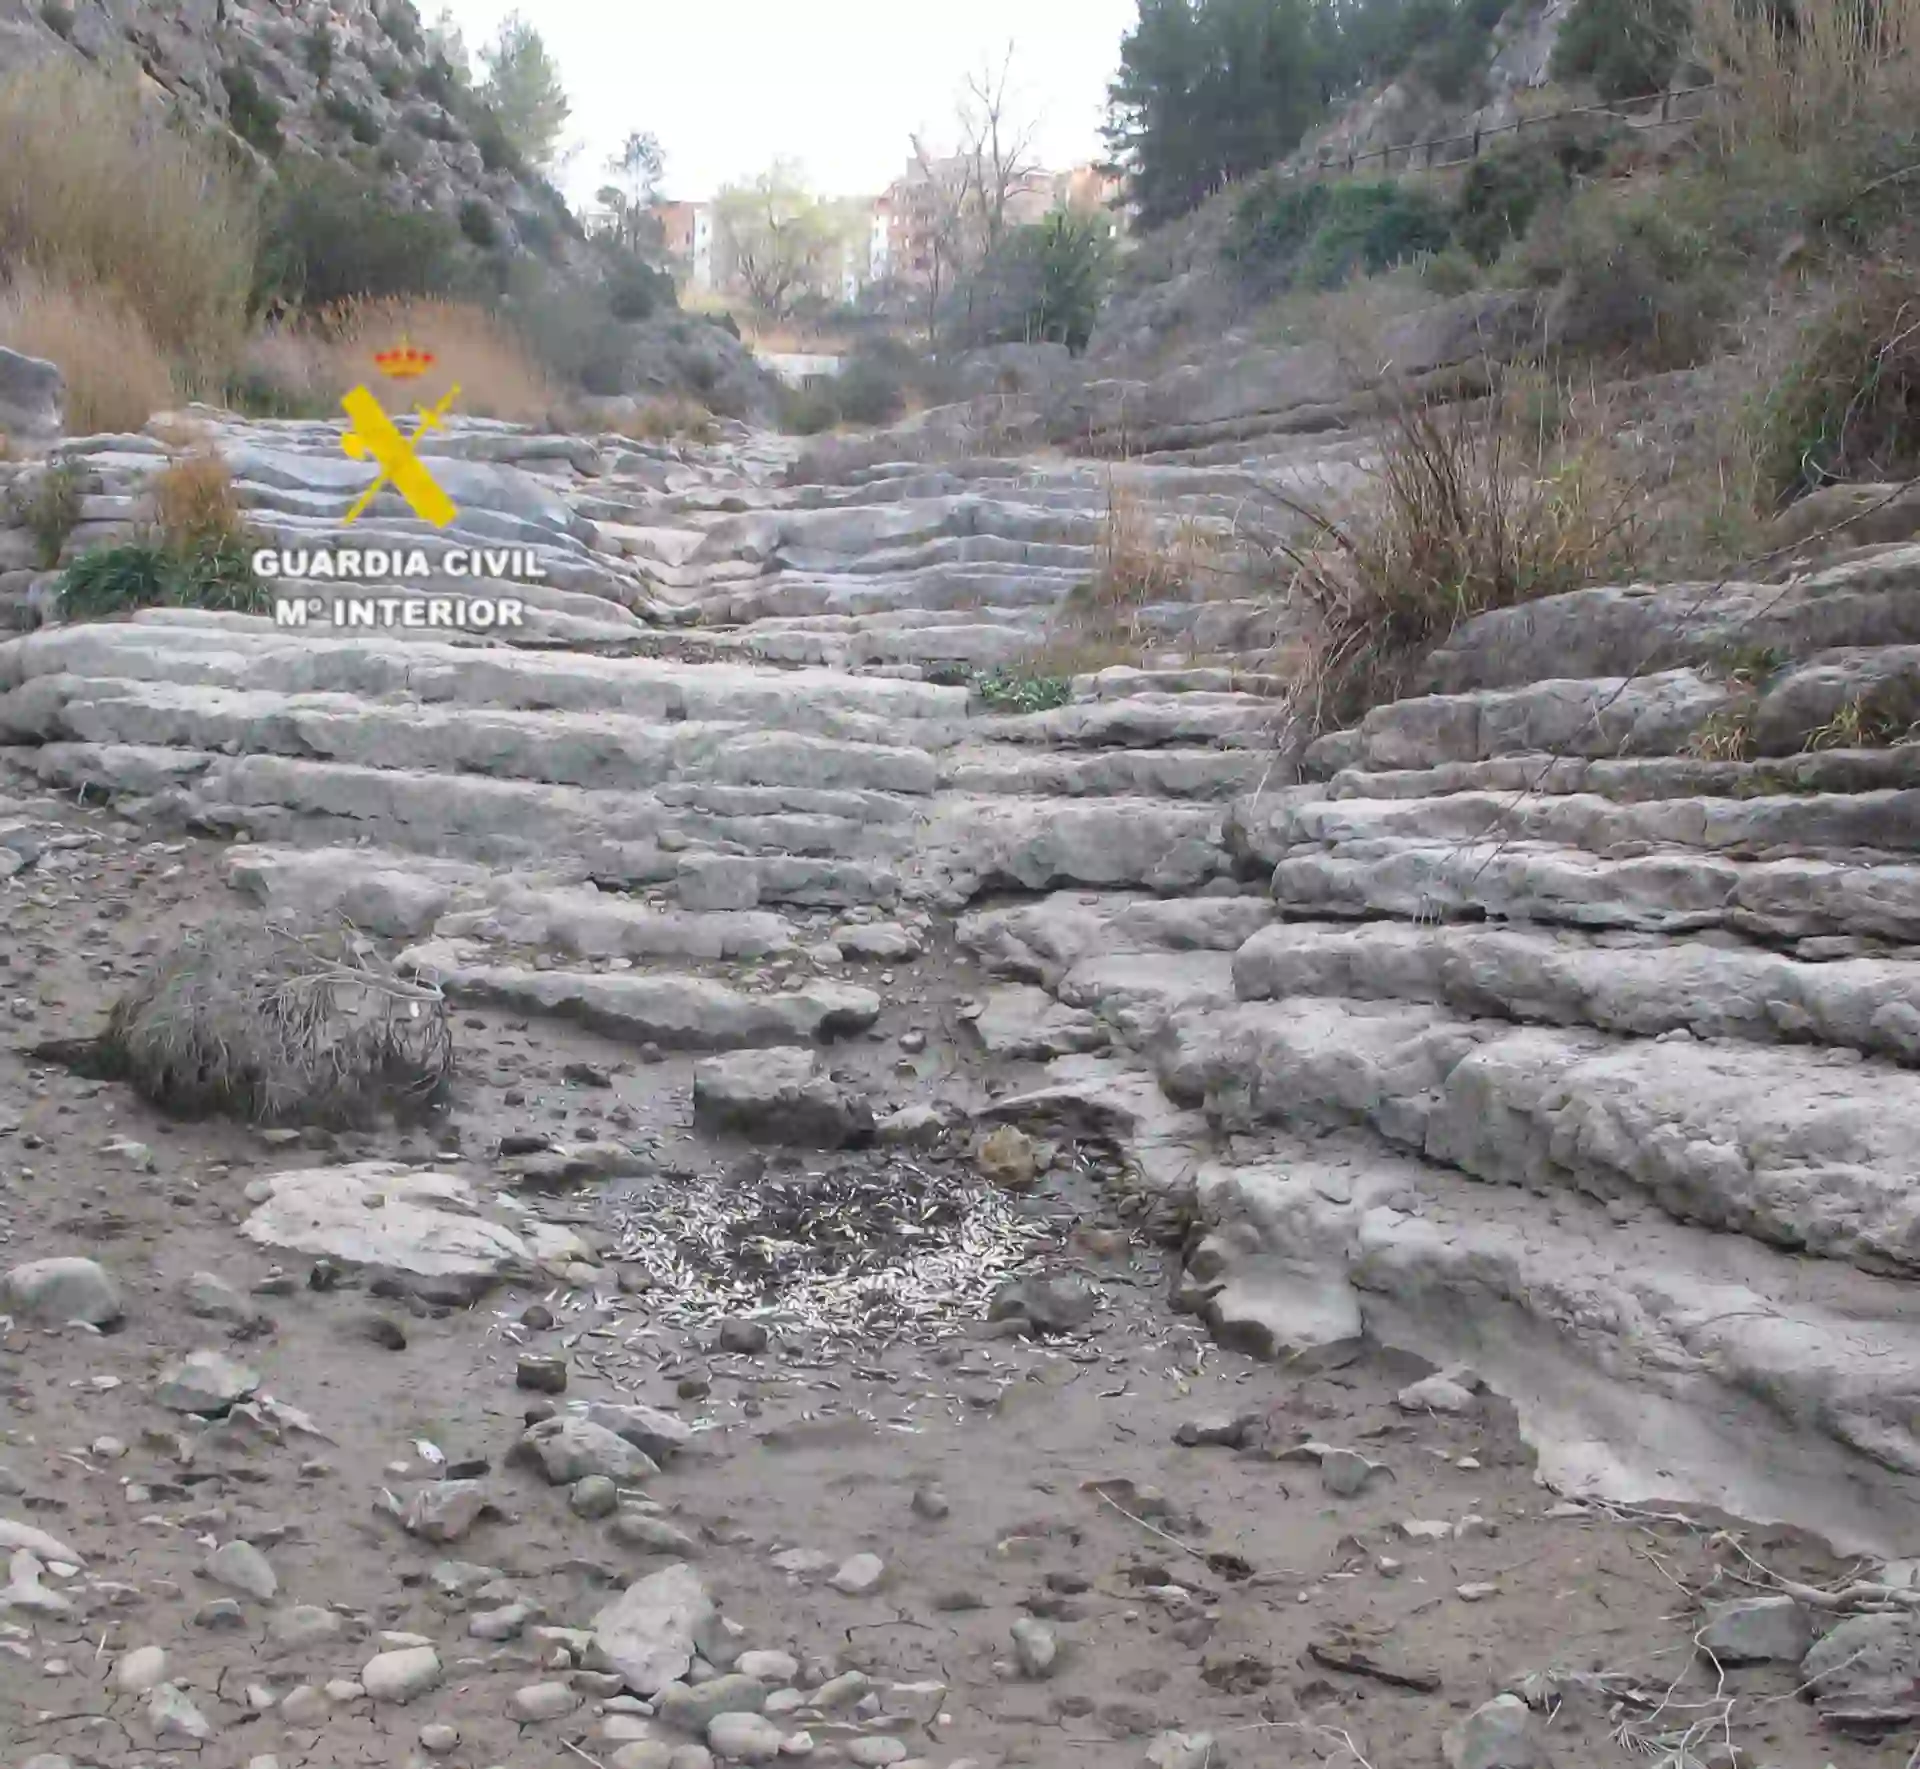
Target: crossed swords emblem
pixel 372 435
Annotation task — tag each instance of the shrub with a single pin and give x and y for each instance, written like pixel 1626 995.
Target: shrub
pixel 871 390
pixel 1503 192
pixel 667 420
pixel 1847 406
pixel 47 506
pixel 333 236
pixel 319 52
pixel 476 350
pixel 497 151
pixel 1622 48
pixel 634 289
pixel 1319 235
pixel 437 81
pixel 478 225
pixel 105 200
pixel 156 574
pixel 117 376
pixel 254 115
pixel 401 22
pixel 808 411
pixel 355 118
pixel 1018 691
pixel 1473 508
pixel 193 498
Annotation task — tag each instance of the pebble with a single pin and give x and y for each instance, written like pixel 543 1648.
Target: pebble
pixel 240 1566
pixel 400 1676
pixel 438 1741
pixel 596 1496
pixel 693 1708
pixel 500 1624
pixel 140 1670
pixel 172 1715
pixel 53 1292
pixel 843 1691
pixel 633 1528
pixel 1436 1394
pixel 931 1503
pixel 860 1575
pixel 205 1383
pixel 744 1738
pixel 541 1375
pixel 542 1701
pixel 303 1705
pixel 743 1338
pixel 1035 1646
pixel 775 1668
pixel 874 1753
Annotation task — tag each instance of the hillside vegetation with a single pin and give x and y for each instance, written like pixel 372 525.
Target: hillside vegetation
pixel 242 207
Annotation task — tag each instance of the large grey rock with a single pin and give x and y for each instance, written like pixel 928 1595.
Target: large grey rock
pixel 1757 1630
pixel 1499 1734
pixel 571 1449
pixel 779 1096
pixel 655 1433
pixel 205 1382
pixel 651 1631
pixel 1864 1673
pixel 33 398
pixel 52 1292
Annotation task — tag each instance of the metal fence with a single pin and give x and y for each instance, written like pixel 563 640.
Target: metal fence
pixel 1657 110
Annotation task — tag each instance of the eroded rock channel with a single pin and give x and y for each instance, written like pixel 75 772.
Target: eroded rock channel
pixel 1042 1238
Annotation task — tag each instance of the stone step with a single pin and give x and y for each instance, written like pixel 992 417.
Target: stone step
pixel 1281 825
pixel 1814 1151
pixel 1167 773
pixel 1144 721
pixel 1634 985
pixel 375 667
pixel 1666 892
pixel 1866 602
pixel 1122 681
pixel 673 1012
pixel 1044 940
pixel 1649 1361
pixel 943 586
pixel 407 896
pixel 598 751
pixel 1632 780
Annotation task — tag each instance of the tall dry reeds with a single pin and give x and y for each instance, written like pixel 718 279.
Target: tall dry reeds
pixel 117 376
pixel 1473 507
pixel 103 197
pixel 309 364
pixel 1793 74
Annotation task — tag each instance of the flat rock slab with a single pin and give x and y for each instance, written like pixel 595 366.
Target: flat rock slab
pixel 779 1096
pixel 407 1219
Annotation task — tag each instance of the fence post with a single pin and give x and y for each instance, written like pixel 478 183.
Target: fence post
pixel 1476 141
pixel 1666 98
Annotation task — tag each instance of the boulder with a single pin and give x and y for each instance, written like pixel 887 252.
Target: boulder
pixel 651 1631
pixel 33 399
pixel 52 1292
pixel 778 1096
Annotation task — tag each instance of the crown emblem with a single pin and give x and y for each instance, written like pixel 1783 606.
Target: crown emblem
pixel 405 364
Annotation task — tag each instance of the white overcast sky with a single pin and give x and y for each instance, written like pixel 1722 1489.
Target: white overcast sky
pixel 839 85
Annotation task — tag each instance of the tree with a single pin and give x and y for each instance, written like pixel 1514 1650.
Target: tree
pixel 446 40
pixel 780 241
pixel 629 200
pixel 523 90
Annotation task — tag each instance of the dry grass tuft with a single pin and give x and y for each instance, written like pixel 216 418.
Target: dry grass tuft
pixel 1143 559
pixel 274 1028
pixel 1795 77
pixel 195 503
pixel 117 376
pixel 308 366
pixel 676 419
pixel 1475 507
pixel 101 194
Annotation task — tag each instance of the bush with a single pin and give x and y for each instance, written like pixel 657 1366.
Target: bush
pixel 478 225
pixel 871 390
pixel 1045 283
pixel 391 80
pixel 319 52
pixel 355 118
pixel 476 350
pixel 497 151
pixel 1622 48
pixel 108 202
pixel 254 116
pixel 47 506
pixel 401 22
pixel 437 81
pixel 1503 192
pixel 155 574
pixel 117 376
pixel 808 411
pixel 634 289
pixel 1473 508
pixel 1318 235
pixel 1847 406
pixel 333 236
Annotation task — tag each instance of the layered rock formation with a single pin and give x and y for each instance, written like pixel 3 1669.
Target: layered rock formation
pixel 1561 1020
